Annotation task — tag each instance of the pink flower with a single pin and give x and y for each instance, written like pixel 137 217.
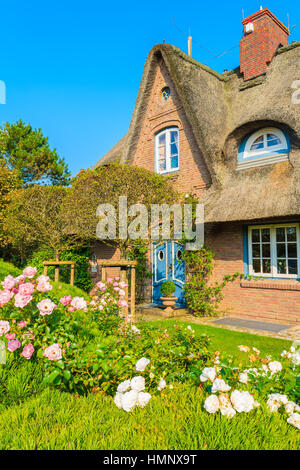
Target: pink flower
pixel 20 278
pixel 26 289
pixel 21 324
pixel 122 293
pixel 22 300
pixel 100 307
pixel 9 282
pixel 10 336
pixel 79 303
pixel 123 284
pixel 4 327
pixel 53 352
pixel 43 286
pixel 101 286
pixel 117 278
pixel 29 272
pixel 46 307
pixel 66 300
pixel 110 280
pixel 43 278
pixel 122 303
pixel 27 352
pixel 13 345
pixel 71 309
pixel 5 296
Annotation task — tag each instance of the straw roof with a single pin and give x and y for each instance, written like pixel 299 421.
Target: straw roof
pixel 222 109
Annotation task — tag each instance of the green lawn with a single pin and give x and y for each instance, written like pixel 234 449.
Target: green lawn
pixel 173 420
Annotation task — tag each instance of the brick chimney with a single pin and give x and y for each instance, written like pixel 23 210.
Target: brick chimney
pixel 263 34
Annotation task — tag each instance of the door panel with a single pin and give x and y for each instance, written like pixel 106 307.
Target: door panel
pixel 167 264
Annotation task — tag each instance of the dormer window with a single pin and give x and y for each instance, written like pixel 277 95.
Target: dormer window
pixel 167 150
pixel 264 147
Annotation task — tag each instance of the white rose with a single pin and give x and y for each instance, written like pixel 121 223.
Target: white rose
pixel 294 419
pixel 219 385
pixel 273 405
pixel 118 399
pixel 138 383
pixel 78 303
pixel 162 384
pixel 134 329
pixel 243 378
pixel 212 404
pixel 289 407
pixel 143 399
pixel 242 401
pixel 292 349
pixel 129 400
pixel 208 373
pixel 142 364
pixel 274 366
pixel 227 411
pixel 296 359
pixel 123 386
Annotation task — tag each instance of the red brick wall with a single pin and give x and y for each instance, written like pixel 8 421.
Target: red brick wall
pixel 258 48
pixel 104 251
pixel 277 303
pixel 193 174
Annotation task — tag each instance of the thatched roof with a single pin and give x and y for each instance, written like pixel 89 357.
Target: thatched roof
pixel 114 154
pixel 222 109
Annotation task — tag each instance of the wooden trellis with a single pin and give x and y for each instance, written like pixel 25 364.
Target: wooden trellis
pixel 125 266
pixel 57 264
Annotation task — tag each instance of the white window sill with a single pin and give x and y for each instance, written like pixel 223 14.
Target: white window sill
pixel 262 161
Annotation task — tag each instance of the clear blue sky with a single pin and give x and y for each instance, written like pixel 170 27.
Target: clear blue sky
pixel 73 68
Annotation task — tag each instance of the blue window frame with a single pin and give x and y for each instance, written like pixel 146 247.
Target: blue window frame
pixel 167 150
pixel 266 146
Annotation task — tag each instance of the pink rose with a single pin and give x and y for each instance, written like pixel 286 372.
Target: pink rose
pixel 46 307
pixel 13 345
pixel 27 352
pixel 66 300
pixel 79 303
pixel 22 300
pixel 9 282
pixel 26 289
pixel 5 296
pixel 117 278
pixel 122 303
pixel 4 327
pixel 10 336
pixel 21 324
pixel 43 286
pixel 110 280
pixel 29 272
pixel 53 352
pixel 71 309
pixel 43 278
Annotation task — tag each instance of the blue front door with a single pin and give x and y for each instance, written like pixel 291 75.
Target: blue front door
pixel 167 265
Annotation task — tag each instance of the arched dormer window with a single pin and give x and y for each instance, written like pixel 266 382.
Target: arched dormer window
pixel 264 147
pixel 167 150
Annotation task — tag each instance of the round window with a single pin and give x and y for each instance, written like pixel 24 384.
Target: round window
pixel 165 93
pixel 161 255
pixel 179 255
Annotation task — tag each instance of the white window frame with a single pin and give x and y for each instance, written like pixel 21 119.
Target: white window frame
pixel 273 254
pixel 167 133
pixel 266 150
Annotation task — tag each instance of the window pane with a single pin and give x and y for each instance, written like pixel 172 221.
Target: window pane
pixel 255 250
pixel 292 250
pixel 255 235
pixel 281 250
pixel 174 149
pixel 266 252
pixel 174 162
pixel 265 235
pixel 174 136
pixel 292 266
pixel 281 266
pixel 280 234
pixel 272 139
pixel 162 139
pixel 256 265
pixel 291 234
pixel 266 266
pixel 258 143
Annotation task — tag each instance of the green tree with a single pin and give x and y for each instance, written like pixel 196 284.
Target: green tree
pixel 9 181
pixel 27 151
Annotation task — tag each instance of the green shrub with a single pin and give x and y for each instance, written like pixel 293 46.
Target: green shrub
pixel 167 288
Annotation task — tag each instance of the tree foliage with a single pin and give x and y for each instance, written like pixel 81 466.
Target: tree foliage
pixel 27 151
pixel 9 181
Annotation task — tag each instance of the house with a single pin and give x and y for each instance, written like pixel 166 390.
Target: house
pixel 232 139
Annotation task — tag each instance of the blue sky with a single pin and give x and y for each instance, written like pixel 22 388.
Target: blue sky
pixel 73 68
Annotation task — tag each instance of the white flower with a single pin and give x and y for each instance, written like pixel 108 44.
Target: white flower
pixel 289 407
pixel 78 303
pixel 296 359
pixel 227 411
pixel 134 329
pixel 142 364
pixel 243 378
pixel 138 383
pixel 219 385
pixel 162 384
pixel 118 399
pixel 208 373
pixel 143 399
pixel 294 419
pixel 243 348
pixel 283 399
pixel 292 349
pixel 273 405
pixel 274 367
pixel 212 404
pixel 242 401
pixel 257 351
pixel 123 386
pixel 129 400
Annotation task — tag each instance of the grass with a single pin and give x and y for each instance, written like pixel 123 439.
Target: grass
pixel 174 420
pixel 227 341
